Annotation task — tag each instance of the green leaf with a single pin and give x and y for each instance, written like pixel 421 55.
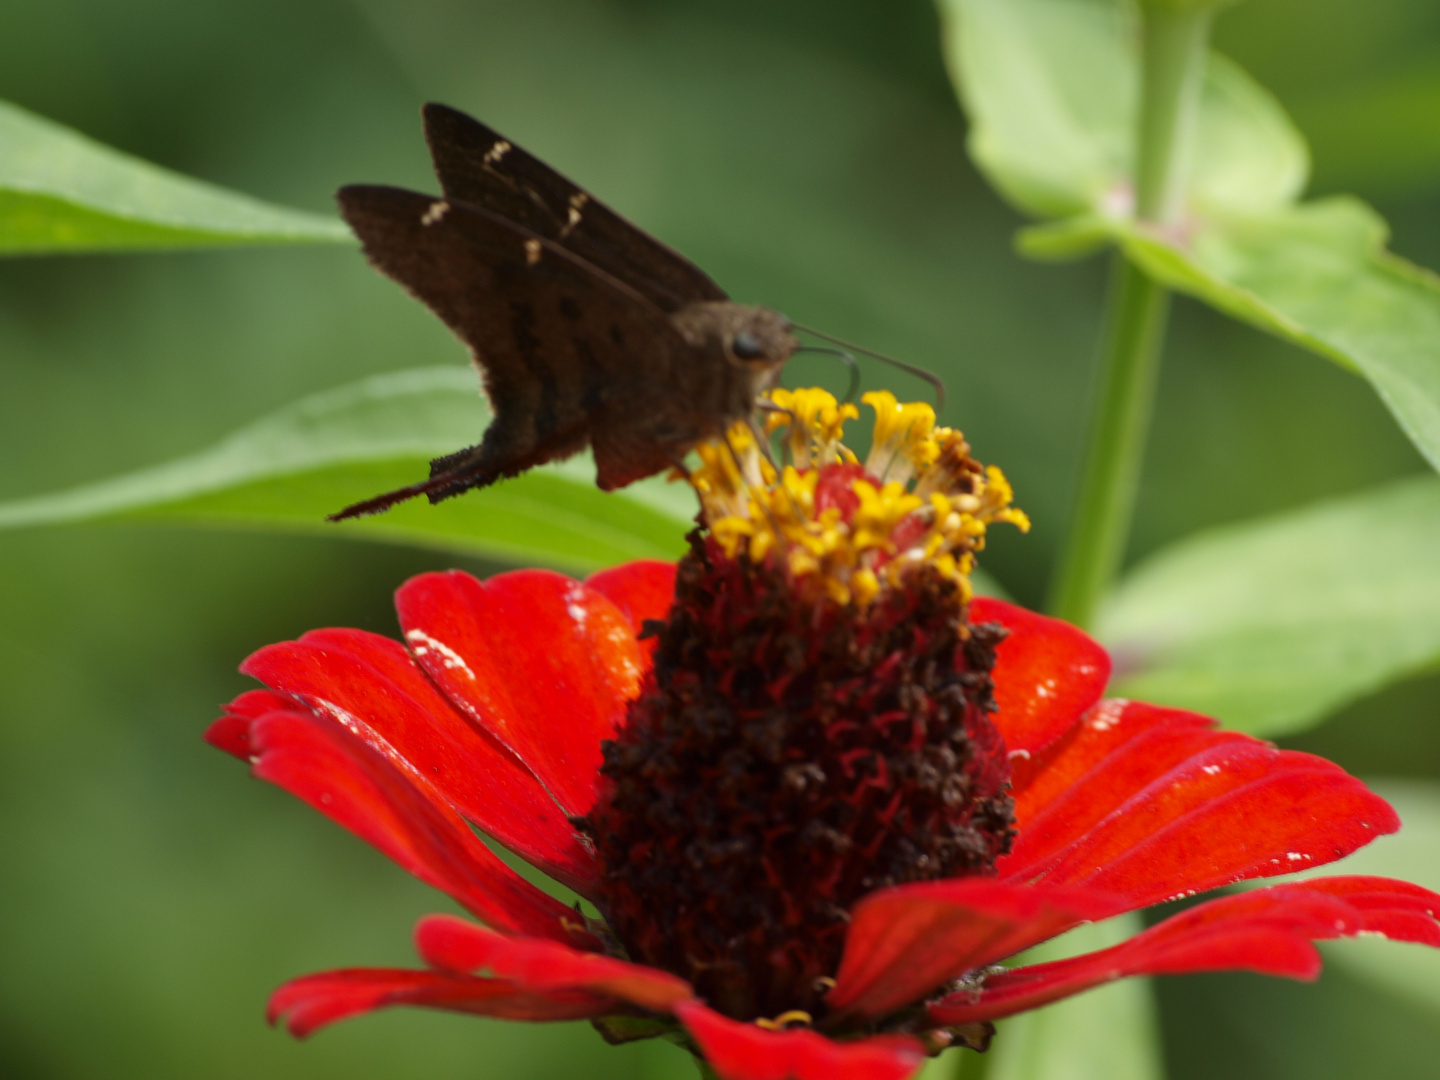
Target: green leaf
pixel 1319 275
pixel 1051 88
pixel 1050 103
pixel 1272 625
pixel 61 192
pixel 1106 1034
pixel 288 470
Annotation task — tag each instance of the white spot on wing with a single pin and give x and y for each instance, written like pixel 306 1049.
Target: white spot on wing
pixel 496 152
pixel 577 203
pixel 532 252
pixel 438 210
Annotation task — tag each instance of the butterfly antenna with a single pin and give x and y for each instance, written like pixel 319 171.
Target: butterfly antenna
pixel 936 383
pixel 846 358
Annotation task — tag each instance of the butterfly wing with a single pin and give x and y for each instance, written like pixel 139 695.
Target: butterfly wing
pixel 477 165
pixel 556 339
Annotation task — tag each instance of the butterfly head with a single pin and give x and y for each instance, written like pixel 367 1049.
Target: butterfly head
pixel 757 337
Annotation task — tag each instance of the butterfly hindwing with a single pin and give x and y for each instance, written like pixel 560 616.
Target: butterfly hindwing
pixel 557 340
pixel 476 165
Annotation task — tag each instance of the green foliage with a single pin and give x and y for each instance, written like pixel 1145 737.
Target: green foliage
pixel 286 471
pixel 61 192
pixel 1274 624
pixel 1051 89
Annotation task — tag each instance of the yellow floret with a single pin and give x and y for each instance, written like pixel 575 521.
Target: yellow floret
pixel 902 443
pixel 920 477
pixel 815 422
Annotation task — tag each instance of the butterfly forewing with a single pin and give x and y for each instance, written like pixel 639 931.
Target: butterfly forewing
pixel 560 343
pixel 477 165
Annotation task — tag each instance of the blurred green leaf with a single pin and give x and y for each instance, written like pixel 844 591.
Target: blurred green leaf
pixel 1272 625
pixel 61 192
pixel 287 471
pixel 1319 275
pixel 1049 104
pixel 1381 132
pixel 1051 89
pixel 1104 1034
pixel 1412 854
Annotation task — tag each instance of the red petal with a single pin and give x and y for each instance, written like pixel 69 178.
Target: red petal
pixel 641 590
pixel 231 732
pixel 739 1051
pixel 1163 806
pixel 253 704
pixel 543 966
pixel 314 1001
pixel 1068 769
pixel 1117 750
pixel 360 789
pixel 1397 910
pixel 371 685
pixel 542 662
pixel 1047 673
pixel 904 942
pixel 1266 931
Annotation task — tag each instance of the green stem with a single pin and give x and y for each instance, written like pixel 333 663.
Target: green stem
pixel 1173 69
pixel 970 1065
pixel 1101 524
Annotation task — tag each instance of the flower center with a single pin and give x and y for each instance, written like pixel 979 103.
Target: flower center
pixel 815 725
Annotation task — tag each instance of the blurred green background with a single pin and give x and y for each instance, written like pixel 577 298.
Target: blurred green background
pixel 808 154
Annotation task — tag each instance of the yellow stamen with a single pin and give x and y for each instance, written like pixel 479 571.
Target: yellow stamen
pixel 817 425
pixel 902 442
pixel 925 502
pixel 879 513
pixel 795 1017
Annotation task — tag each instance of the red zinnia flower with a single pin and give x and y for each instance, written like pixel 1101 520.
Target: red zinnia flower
pixel 811 832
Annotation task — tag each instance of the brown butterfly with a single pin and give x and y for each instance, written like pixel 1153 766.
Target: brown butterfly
pixel 585 330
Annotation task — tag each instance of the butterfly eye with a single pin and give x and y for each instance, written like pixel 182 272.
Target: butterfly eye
pixel 746 346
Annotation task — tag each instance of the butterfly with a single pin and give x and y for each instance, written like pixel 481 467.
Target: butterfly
pixel 586 331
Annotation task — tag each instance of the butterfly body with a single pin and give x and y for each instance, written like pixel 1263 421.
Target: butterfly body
pixel 585 330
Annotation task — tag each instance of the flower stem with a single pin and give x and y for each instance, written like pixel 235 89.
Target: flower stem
pixel 970 1065
pixel 1173 68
